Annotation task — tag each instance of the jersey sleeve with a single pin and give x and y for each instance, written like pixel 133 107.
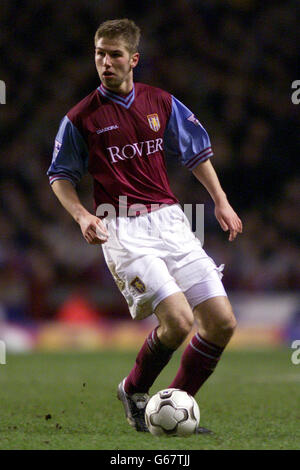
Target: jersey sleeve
pixel 185 137
pixel 70 154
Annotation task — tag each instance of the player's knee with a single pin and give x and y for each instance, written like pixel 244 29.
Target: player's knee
pixel 227 325
pixel 183 324
pixel 177 328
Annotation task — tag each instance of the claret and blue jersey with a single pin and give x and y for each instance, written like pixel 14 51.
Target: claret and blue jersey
pixel 122 141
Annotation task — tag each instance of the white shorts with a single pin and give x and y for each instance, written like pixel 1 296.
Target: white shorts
pixel 154 255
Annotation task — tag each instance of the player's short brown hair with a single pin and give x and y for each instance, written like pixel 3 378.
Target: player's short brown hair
pixel 122 28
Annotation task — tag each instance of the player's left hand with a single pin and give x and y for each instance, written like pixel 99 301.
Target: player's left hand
pixel 229 220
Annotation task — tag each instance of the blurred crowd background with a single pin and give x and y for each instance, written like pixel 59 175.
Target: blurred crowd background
pixel 231 62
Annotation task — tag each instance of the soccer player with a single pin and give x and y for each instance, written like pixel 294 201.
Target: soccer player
pixel 121 133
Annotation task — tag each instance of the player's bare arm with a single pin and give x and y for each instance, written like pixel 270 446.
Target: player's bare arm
pixel 226 216
pixel 93 230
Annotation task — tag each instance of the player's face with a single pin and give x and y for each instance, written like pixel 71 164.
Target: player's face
pixel 115 64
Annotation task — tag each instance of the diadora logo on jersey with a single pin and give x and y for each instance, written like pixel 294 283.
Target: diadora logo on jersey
pixel 109 128
pixel 153 121
pixel 138 285
pixel 194 120
pixel 136 149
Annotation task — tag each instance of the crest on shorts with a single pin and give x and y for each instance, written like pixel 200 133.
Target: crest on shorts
pixel 138 285
pixel 153 121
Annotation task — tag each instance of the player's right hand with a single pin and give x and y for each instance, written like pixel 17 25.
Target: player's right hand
pixel 93 230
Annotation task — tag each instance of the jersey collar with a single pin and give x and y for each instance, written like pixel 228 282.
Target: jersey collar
pixel 125 101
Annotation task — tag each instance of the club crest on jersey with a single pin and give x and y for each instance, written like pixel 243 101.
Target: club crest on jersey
pixel 138 285
pixel 153 121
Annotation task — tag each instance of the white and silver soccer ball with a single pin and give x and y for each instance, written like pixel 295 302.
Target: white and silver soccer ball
pixel 172 412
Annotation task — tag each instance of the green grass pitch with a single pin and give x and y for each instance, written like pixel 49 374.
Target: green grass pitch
pixel 252 401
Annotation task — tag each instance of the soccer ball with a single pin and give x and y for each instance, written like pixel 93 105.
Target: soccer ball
pixel 172 412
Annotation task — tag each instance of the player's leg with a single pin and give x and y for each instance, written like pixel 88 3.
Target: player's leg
pixel 216 321
pixel 216 325
pixel 175 322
